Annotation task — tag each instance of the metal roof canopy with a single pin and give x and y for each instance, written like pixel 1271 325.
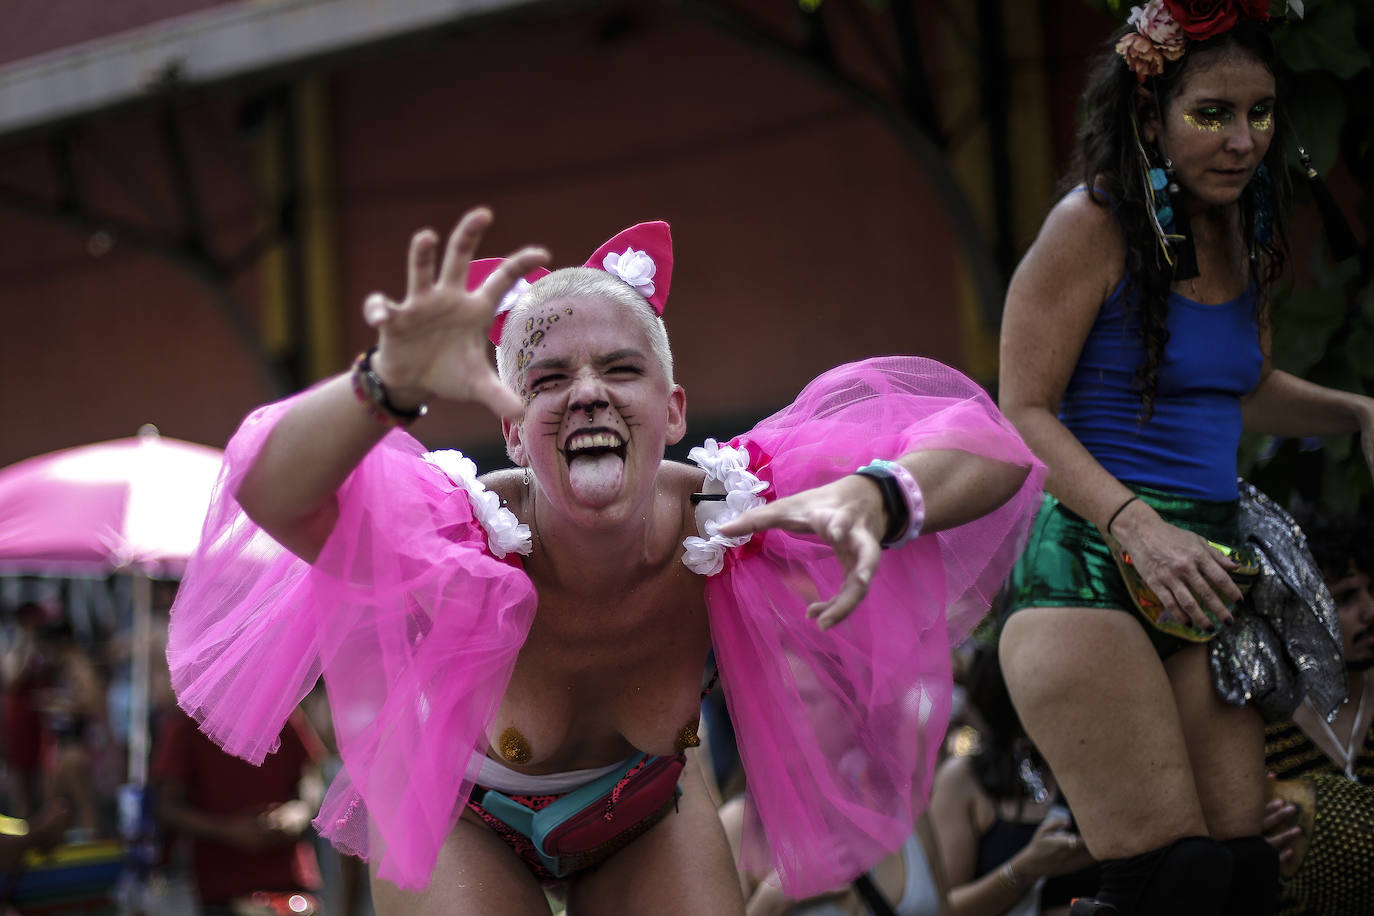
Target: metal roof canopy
pixel 208 47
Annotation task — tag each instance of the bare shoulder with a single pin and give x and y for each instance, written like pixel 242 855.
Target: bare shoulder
pixel 680 477
pixel 1080 251
pixel 955 777
pixel 507 483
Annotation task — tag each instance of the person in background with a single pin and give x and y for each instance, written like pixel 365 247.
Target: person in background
pixel 73 706
pixel 1006 840
pixel 1135 348
pixel 1320 815
pixel 909 882
pixel 26 673
pixel 246 824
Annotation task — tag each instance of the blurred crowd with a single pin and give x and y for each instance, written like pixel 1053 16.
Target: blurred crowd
pixel 998 837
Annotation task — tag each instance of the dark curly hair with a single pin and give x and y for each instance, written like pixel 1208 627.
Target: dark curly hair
pixel 1107 158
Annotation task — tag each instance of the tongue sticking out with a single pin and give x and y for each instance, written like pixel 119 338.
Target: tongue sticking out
pixel 595 478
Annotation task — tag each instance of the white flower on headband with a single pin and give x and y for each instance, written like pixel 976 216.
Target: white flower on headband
pixel 634 267
pixel 505 533
pixel 512 296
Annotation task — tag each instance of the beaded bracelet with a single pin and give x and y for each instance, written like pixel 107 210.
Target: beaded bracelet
pixel 902 498
pixel 367 385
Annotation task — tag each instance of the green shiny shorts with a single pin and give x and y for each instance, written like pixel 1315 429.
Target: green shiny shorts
pixel 1067 564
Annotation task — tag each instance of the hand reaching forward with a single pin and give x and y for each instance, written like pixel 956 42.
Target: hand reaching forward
pixel 434 343
pixel 848 515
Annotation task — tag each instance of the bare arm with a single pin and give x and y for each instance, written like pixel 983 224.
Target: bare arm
pixel 1284 405
pixel 1052 303
pixel 432 345
pixel 848 514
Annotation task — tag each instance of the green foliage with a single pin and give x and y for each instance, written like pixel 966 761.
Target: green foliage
pixel 1324 329
pixel 1324 42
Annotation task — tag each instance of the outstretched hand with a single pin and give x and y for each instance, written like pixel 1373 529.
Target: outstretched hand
pixel 434 342
pixel 848 515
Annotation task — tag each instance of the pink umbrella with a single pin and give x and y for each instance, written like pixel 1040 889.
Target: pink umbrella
pixel 128 505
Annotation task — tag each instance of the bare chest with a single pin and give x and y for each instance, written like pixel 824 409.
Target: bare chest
pixel 599 679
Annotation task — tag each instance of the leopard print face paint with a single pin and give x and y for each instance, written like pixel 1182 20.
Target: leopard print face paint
pixel 535 333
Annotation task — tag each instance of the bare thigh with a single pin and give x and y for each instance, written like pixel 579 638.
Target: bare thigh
pixel 1225 747
pixel 476 873
pixel 682 865
pixel 1095 698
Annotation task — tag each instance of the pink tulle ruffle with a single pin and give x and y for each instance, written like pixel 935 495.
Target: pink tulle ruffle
pixel 839 730
pixel 416 628
pixel 414 625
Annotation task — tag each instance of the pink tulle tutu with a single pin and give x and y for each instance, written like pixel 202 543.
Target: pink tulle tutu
pixel 416 626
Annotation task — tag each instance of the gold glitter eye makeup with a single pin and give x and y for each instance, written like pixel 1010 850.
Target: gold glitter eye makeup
pixel 1208 119
pixel 1262 117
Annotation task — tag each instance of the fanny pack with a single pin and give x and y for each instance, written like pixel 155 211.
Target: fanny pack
pixel 590 823
pixel 1152 609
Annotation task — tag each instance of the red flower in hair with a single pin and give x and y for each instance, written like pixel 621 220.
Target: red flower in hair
pixel 1255 9
pixel 1202 19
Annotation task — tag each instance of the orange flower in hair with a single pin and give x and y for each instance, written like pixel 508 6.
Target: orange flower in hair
pixel 1143 57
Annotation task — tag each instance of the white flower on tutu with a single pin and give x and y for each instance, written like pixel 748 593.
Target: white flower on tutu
pixel 634 267
pixel 727 472
pixel 505 533
pixel 512 296
pixel 717 460
pixel 704 557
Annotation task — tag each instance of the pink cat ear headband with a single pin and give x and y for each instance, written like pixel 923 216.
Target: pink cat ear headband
pixel 641 255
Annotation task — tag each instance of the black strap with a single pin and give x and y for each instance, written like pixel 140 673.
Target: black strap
pixel 876 902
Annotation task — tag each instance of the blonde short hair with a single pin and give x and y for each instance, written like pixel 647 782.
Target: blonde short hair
pixel 577 282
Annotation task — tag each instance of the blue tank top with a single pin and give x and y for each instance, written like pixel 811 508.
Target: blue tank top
pixel 1189 445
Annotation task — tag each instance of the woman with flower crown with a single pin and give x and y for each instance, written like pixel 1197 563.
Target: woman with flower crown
pixel 1135 348
pixel 514 660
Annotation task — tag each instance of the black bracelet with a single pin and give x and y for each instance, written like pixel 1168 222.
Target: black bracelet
pixel 1118 512
pixel 368 386
pixel 893 502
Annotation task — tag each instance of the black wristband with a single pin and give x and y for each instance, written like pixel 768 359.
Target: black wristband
pixel 1119 510
pixel 367 385
pixel 893 503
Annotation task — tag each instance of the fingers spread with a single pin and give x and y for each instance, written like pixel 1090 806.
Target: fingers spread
pixel 377 309
pixel 422 262
pixel 511 270
pixel 462 245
